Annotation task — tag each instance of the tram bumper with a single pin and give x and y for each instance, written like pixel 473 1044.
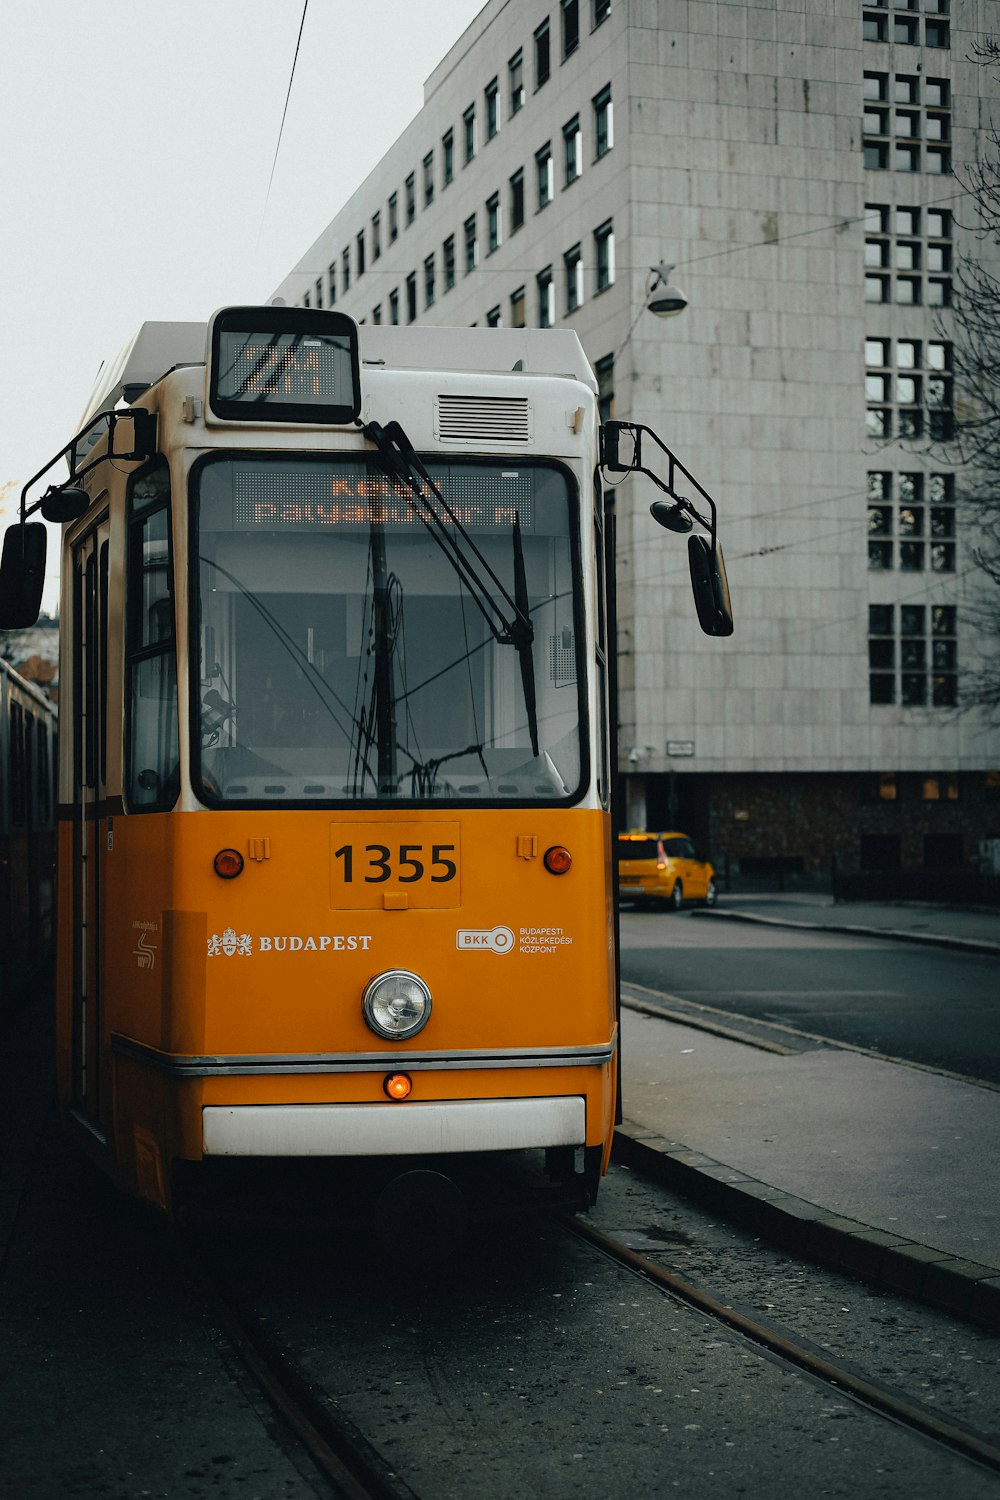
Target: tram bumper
pixel 414 1129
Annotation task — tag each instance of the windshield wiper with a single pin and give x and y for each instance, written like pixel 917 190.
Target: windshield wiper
pixel 402 464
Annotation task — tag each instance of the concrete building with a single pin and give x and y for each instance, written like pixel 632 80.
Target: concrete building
pixel 794 163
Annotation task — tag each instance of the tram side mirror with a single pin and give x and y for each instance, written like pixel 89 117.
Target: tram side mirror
pixel 22 575
pixel 66 504
pixel 133 435
pixel 710 586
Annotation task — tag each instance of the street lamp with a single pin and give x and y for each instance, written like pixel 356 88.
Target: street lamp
pixel 664 300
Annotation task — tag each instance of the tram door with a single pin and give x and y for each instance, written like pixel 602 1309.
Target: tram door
pixel 90 700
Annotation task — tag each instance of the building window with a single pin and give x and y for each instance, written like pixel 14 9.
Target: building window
pixel 515 78
pixel 411 297
pixel 517 200
pixel 907 255
pixel 939 789
pixel 517 308
pixel 448 157
pixel 393 218
pixel 904 31
pixel 492 97
pixel 376 236
pixel 543 61
pixel 493 318
pixel 331 281
pixel 469 132
pixel 913 136
pixel 319 293
pixel 937 34
pixel 411 199
pixel 306 302
pixel 570 10
pixel 573 265
pixel 604 255
pixel 345 268
pixel 494 228
pixel 449 262
pixel 428 178
pixel 571 150
pixel 604 127
pixel 602 10
pixel 874 28
pixel 908 389
pixel 911 522
pixel 377 313
pixel 360 249
pixel 913 655
pixel 394 306
pixel 546 298
pixel 429 281
pixel 471 244
pixel 544 174
pixel 604 369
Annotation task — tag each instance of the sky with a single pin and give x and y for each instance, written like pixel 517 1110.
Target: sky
pixel 137 145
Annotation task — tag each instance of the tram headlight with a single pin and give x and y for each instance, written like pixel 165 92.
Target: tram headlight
pixel 396 1004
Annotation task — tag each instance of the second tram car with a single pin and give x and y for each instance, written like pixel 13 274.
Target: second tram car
pixel 336 874
pixel 27 830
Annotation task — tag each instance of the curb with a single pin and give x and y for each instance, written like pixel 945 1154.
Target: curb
pixel 893 934
pixel 888 1260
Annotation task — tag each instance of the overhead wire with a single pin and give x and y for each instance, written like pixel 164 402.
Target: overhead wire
pixel 281 127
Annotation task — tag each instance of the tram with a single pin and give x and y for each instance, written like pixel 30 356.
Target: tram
pixel 27 830
pixel 336 875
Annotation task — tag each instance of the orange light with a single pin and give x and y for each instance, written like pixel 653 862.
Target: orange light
pixel 228 863
pixel 557 860
pixel 397 1085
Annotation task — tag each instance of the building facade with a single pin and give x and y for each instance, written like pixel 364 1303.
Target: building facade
pixel 796 165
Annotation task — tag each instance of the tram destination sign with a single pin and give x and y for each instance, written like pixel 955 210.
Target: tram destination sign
pixel 283 364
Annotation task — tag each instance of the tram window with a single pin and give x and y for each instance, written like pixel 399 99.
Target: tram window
pixel 343 658
pixel 153 757
pixel 18 780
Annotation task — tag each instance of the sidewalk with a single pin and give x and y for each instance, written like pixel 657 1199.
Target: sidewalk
pixel 887 1171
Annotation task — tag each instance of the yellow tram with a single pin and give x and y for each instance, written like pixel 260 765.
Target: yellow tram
pixel 336 875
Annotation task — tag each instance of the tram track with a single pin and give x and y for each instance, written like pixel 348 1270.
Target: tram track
pixel 354 1468
pixel 874 1394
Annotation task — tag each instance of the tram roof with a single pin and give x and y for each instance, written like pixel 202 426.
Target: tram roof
pixel 158 348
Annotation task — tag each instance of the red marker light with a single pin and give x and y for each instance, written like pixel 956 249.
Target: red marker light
pixel 397 1085
pixel 557 860
pixel 228 863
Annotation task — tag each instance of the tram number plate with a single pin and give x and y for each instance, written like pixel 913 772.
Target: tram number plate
pixel 395 865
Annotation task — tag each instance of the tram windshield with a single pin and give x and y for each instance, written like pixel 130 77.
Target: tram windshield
pixel 351 651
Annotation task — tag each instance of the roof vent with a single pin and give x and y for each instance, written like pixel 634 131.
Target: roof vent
pixel 483 419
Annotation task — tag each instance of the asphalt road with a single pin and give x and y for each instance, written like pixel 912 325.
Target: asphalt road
pixel 932 1006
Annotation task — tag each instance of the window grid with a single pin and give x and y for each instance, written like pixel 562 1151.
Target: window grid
pixel 907 123
pixel 911 522
pixel 913 655
pixel 908 389
pixel 907 255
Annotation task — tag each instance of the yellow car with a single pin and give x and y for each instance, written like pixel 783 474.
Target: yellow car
pixel 663 868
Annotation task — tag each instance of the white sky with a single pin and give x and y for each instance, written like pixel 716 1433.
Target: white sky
pixel 137 144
